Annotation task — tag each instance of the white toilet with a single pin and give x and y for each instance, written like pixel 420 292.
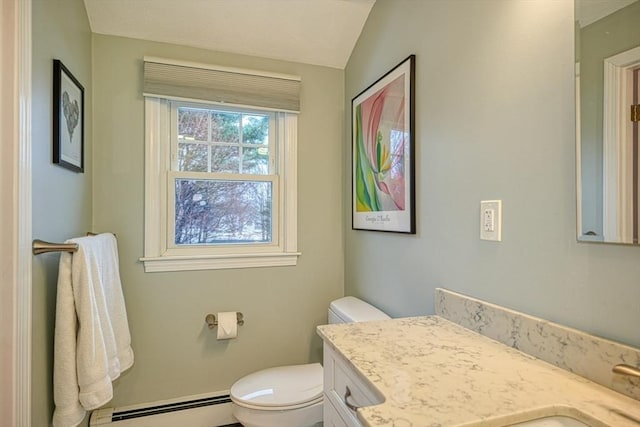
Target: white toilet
pixel 291 396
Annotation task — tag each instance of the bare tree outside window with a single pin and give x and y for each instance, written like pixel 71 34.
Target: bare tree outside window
pixel 215 210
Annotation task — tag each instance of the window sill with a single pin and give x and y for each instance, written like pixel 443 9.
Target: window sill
pixel 218 262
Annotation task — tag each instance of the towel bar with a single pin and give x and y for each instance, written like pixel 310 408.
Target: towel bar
pixel 42 247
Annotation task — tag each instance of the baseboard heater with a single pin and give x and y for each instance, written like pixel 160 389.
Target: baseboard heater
pixel 191 411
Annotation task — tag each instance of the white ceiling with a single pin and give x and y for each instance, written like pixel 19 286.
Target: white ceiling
pixel 319 32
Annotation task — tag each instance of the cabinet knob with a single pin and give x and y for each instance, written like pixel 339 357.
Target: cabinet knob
pixel 347 394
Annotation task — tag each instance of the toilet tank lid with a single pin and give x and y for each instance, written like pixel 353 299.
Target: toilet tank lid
pixel 351 309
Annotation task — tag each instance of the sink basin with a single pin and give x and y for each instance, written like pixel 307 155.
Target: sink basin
pixel 554 421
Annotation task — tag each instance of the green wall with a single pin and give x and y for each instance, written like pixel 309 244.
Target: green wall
pixel 62 200
pixel 609 36
pixel 176 354
pixel 494 120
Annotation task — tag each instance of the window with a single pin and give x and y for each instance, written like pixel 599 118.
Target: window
pixel 223 176
pixel 220 186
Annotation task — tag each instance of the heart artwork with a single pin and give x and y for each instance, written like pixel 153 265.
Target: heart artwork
pixel 71 113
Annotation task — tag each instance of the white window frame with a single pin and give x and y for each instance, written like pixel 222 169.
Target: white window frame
pixel 162 255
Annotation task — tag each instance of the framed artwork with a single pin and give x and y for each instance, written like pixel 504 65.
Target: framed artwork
pixel 68 119
pixel 383 193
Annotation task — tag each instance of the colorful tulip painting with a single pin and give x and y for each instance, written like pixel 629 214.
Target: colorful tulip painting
pixel 382 163
pixel 380 143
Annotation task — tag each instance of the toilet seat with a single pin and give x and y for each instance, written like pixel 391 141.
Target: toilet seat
pixel 281 388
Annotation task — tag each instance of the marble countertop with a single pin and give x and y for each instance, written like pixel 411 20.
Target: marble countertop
pixel 433 372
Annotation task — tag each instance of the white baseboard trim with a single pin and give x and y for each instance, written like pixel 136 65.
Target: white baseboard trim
pixel 205 410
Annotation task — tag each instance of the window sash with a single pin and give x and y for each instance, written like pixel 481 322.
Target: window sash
pixel 174 174
pixel 271 144
pixel 222 248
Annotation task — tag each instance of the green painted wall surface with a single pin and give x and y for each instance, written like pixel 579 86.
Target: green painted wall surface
pixel 494 120
pixel 176 354
pixel 61 198
pixel 609 36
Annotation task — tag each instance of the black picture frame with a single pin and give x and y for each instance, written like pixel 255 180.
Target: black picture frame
pixel 383 153
pixel 68 119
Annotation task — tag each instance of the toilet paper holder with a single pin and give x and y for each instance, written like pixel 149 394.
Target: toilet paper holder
pixel 212 322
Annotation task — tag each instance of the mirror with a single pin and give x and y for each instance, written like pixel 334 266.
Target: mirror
pixel 607 113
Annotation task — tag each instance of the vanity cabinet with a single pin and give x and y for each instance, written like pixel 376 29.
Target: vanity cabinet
pixel 427 370
pixel 344 391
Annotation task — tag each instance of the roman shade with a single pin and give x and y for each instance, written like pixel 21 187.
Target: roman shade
pixel 183 80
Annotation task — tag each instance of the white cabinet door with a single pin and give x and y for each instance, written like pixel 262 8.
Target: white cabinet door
pixel 331 416
pixel 344 389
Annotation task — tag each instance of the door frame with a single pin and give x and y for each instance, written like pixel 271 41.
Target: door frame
pixel 617 148
pixel 15 215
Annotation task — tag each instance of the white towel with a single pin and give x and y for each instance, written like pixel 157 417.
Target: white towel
pixel 92 344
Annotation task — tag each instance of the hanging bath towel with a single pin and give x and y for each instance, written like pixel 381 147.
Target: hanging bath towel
pixel 92 344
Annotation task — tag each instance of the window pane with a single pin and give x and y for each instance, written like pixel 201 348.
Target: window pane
pixel 193 124
pixel 225 127
pixel 192 157
pixel 225 159
pixel 219 212
pixel 255 129
pixel 255 160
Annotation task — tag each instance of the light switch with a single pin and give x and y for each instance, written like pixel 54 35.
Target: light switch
pixel 491 220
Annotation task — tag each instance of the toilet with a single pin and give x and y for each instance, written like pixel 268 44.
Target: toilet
pixel 291 396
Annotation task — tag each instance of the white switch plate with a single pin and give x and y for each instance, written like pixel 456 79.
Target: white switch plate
pixel 491 220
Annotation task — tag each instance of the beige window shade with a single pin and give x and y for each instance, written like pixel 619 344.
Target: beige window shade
pixel 225 86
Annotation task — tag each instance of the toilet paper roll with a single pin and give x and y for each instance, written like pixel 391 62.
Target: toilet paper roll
pixel 227 325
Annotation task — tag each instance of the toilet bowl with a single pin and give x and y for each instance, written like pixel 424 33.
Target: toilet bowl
pixel 282 396
pixel 291 396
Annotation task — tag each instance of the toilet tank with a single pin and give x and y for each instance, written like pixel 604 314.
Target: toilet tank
pixel 351 309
